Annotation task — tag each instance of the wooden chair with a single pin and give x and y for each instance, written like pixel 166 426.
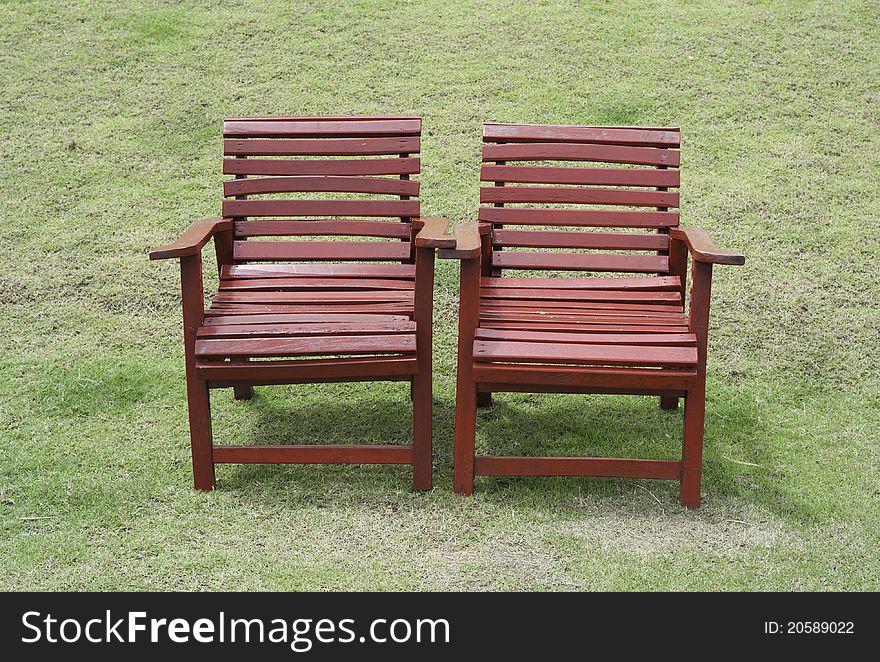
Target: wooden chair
pixel 625 333
pixel 308 310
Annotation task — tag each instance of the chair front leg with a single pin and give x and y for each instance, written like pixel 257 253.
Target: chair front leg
pixel 695 400
pixel 198 399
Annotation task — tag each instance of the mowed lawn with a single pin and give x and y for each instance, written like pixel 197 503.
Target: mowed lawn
pixel 110 119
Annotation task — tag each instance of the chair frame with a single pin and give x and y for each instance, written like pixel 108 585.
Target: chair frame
pixel 477 381
pixel 201 377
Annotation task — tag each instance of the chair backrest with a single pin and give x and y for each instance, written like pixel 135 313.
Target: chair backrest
pixel 629 192
pixel 339 177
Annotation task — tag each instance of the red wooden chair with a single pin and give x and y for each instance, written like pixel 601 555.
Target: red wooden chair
pixel 603 334
pixel 308 310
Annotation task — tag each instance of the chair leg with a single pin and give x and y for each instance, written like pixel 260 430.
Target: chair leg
pixel 199 402
pixel 243 391
pixel 465 432
pixel 484 399
pixel 692 450
pixel 422 432
pixel 668 402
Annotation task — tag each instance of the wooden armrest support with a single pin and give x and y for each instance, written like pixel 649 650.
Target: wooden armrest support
pixel 432 233
pixel 703 249
pixel 191 241
pixel 467 241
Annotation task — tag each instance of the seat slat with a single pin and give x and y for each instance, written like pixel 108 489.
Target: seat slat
pixel 565 306
pixel 565 327
pixel 503 294
pixel 403 208
pixel 662 339
pixel 642 136
pixel 669 178
pixel 579 217
pixel 316 329
pixel 619 355
pixel 316 284
pixel 321 146
pixel 316 128
pixel 397 271
pixel 372 296
pixel 593 196
pixel 320 250
pixel 581 152
pixel 580 261
pixel 332 184
pixel 401 166
pixel 302 318
pixel 621 283
pixel 561 239
pixel 336 345
pixel 317 228
pixel 593 317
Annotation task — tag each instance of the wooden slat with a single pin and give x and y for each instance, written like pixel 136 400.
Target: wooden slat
pixel 333 184
pixel 621 283
pixel 594 196
pixel 669 178
pixel 310 371
pixel 248 309
pixel 623 355
pixel 577 466
pixel 384 296
pixel 323 454
pixel 580 261
pixel 320 147
pixel 643 136
pixel 320 329
pixel 661 339
pixel 300 128
pixel 295 308
pixel 398 271
pixel 320 250
pixel 559 380
pixel 319 228
pixel 304 318
pixel 401 166
pixel 406 208
pixel 616 296
pixel 594 317
pixel 271 347
pixel 581 152
pixel 579 217
pixel 559 239
pixel 580 327
pixel 315 284
pixel 583 306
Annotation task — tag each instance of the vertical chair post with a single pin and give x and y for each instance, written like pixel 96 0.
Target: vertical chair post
pixel 485 399
pixel 678 260
pixel 695 400
pixel 466 387
pixel 198 399
pixel 421 383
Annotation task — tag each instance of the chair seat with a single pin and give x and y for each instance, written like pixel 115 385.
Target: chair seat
pixel 621 322
pixel 292 311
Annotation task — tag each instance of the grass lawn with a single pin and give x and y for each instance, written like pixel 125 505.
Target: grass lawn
pixel 111 119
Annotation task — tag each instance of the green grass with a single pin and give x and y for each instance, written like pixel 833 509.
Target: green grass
pixel 110 145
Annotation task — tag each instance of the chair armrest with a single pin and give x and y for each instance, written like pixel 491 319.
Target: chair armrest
pixel 703 249
pixel 432 233
pixel 191 241
pixel 467 241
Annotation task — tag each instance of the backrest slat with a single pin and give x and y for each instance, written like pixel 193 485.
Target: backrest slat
pixel 531 179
